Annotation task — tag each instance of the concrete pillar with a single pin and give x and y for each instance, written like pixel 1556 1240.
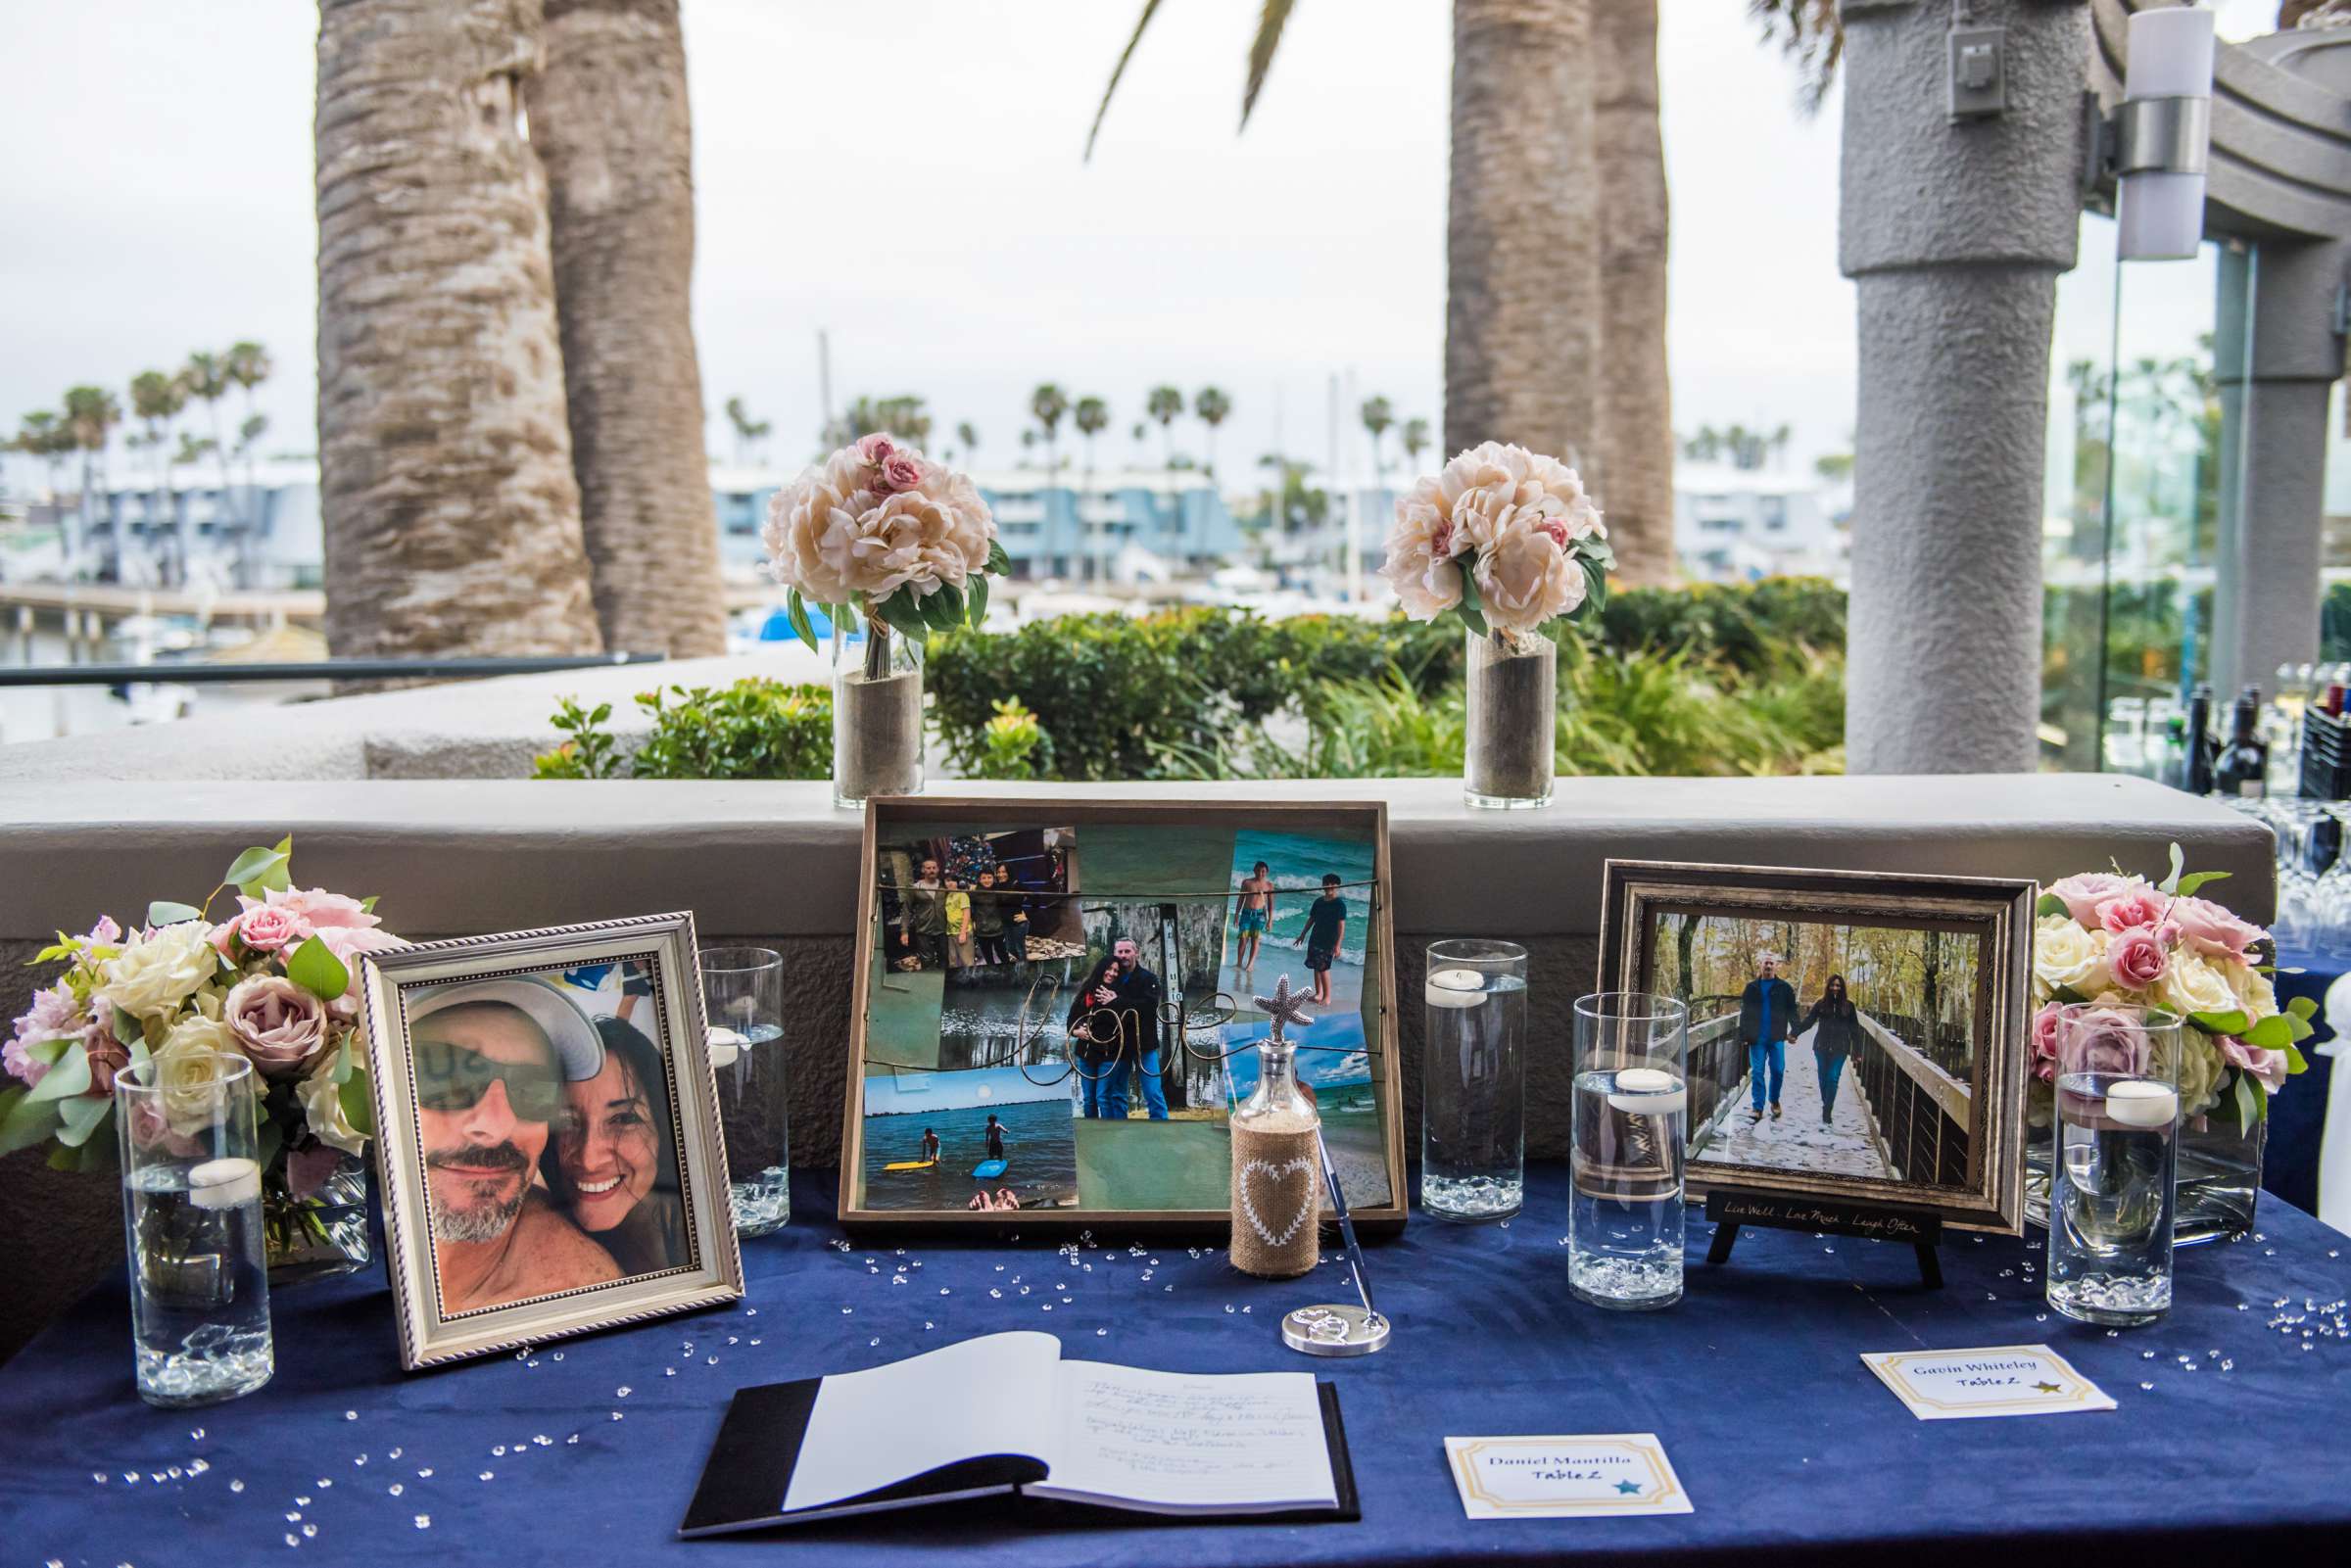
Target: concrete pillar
pixel 1954 234
pixel 2276 356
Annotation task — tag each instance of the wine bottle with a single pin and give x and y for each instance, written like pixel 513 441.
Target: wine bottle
pixel 2243 769
pixel 2195 768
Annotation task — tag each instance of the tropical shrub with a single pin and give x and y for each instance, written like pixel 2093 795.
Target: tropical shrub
pixel 754 729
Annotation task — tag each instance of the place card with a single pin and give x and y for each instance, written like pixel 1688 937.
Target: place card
pixel 1561 1477
pixel 2003 1380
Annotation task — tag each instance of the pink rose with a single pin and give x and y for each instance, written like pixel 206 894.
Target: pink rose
pixel 2083 894
pixel 307 1169
pixel 347 943
pixel 2213 931
pixel 2268 1068
pixel 901 472
pixel 2045 1041
pixel 2140 906
pixel 277 1023
pixel 876 447
pixel 2136 958
pixel 263 928
pixel 315 907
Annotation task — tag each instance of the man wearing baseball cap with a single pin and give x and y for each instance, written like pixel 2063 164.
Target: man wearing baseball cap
pixel 489 1058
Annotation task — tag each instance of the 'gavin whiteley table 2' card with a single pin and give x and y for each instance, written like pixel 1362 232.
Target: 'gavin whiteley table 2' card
pixel 2003 1380
pixel 1558 1477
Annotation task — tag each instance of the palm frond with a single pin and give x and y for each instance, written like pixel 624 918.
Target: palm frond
pixel 1150 10
pixel 1270 22
pixel 1811 33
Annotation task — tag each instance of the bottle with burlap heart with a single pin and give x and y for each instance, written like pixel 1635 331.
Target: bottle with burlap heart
pixel 1276 1171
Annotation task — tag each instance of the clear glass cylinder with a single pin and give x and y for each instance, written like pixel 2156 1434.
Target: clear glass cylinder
pixel 877 713
pixel 1276 1171
pixel 188 1128
pixel 1473 1081
pixel 1514 681
pixel 2113 1195
pixel 1631 1137
pixel 743 993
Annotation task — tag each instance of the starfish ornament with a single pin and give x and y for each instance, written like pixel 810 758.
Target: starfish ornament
pixel 1282 1008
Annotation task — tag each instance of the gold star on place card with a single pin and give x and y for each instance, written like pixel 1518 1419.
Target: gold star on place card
pixel 2050 1388
pixel 1282 1008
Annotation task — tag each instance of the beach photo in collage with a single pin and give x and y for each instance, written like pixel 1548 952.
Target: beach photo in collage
pixel 1063 1018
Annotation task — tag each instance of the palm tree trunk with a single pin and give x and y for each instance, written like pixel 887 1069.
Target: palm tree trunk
pixel 1636 395
pixel 609 122
pixel 450 515
pixel 1522 258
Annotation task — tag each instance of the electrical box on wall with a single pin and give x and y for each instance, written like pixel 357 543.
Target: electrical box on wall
pixel 1979 71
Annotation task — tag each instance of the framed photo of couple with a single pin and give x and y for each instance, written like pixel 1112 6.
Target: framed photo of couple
pixel 548 1136
pixel 1854 1036
pixel 1054 1010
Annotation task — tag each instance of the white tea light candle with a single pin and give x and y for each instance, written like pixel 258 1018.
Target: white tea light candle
pixel 1648 1092
pixel 2141 1103
pixel 1456 988
pixel 225 1183
pixel 725 1046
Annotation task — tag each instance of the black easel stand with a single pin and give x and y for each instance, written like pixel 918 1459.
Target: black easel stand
pixel 1788 1211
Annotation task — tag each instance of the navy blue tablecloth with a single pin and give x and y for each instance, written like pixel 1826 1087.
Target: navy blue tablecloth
pixel 2226 1445
pixel 2298 1116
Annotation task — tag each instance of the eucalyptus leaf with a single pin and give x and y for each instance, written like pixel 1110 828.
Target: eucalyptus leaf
pixel 62 1157
pixel 29 1121
pixel 2294 1062
pixel 315 968
pixel 2273 1033
pixel 80 1117
pixel 269 1140
pixel 2050 904
pixel 46 1052
pixel 2068 995
pixel 344 1064
pixel 68 1078
pixel 2196 880
pixel 162 912
pixel 359 1104
pixel 257 871
pixel 2252 1101
pixel 2231 1022
pixel 2302 1007
pixel 2171 882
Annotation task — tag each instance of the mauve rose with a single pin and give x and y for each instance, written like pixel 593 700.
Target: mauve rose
pixel 2045 1041
pixel 2140 906
pixel 2212 930
pixel 2083 894
pixel 2268 1068
pixel 876 447
pixel 2106 1042
pixel 900 471
pixel 277 1023
pixel 2136 958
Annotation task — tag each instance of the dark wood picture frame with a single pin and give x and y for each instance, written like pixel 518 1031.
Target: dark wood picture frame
pixel 1009 812
pixel 1997 913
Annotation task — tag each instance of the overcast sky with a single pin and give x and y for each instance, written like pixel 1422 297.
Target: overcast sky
pixel 906 176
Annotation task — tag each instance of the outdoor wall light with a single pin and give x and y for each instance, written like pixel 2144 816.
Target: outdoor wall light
pixel 2161 134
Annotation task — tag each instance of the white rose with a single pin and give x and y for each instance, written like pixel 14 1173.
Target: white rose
pixel 2200 1068
pixel 2254 991
pixel 154 974
pixel 322 1108
pixel 2192 983
pixel 2065 957
pixel 1525 577
pixel 1420 548
pixel 194 1058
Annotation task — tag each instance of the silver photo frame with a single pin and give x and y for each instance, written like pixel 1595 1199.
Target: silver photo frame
pixel 526 974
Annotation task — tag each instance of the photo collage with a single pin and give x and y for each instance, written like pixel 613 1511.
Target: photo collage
pixel 1064 1019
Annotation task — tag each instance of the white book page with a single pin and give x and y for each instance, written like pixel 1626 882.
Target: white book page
pixel 871 1429
pixel 1182 1443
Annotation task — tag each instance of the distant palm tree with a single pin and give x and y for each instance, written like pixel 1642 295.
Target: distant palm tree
pixel 1091 417
pixel 207 377
pixel 1166 405
pixel 970 439
pixel 43 436
pixel 1377 415
pixel 91 415
pixel 1140 432
pixel 156 399
pixel 1416 441
pixel 748 432
pixel 247 365
pixel 1214 408
pixel 1048 402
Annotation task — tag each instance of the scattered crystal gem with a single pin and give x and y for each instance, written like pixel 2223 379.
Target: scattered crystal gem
pixel 424 1521
pixel 236 1485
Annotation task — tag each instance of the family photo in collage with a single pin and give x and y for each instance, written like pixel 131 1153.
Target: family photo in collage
pixel 1065 1018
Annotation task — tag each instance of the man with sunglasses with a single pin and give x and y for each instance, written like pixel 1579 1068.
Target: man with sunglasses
pixel 491 1058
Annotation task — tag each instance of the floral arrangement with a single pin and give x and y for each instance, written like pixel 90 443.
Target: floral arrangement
pixel 880 528
pixel 2108 939
pixel 1503 537
pixel 274 982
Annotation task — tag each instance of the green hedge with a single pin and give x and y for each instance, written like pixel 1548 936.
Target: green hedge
pixel 754 729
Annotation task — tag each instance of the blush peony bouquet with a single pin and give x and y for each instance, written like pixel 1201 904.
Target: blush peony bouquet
pixel 880 530
pixel 1503 537
pixel 2106 937
pixel 272 982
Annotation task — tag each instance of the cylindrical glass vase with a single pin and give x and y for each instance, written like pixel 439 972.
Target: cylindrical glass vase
pixel 188 1128
pixel 1473 1081
pixel 2113 1192
pixel 1632 1110
pixel 1513 710
pixel 877 714
pixel 743 991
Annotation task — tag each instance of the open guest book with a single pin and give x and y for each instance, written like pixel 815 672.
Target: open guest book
pixel 1006 1414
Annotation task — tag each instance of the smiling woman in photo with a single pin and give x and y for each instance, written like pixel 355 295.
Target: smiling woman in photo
pixel 613 1164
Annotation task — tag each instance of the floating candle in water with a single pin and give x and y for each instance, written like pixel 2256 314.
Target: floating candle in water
pixel 2141 1103
pixel 1648 1092
pixel 726 1045
pixel 225 1183
pixel 1456 988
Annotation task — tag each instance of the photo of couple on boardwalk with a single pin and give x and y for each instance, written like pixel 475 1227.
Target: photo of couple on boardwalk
pixel 1828 1049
